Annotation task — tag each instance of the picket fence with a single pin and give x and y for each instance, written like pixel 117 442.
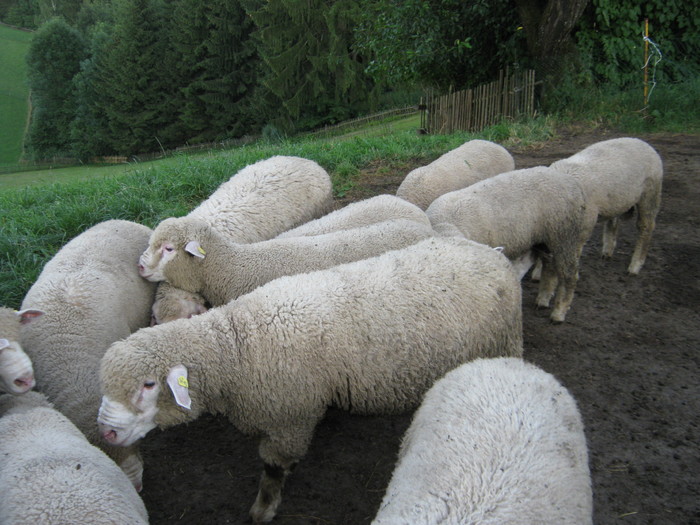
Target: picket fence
pixel 512 95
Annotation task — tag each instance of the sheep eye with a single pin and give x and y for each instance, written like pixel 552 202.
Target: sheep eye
pixel 168 248
pixel 149 384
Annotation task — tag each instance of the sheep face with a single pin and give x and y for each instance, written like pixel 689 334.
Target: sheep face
pixel 16 372
pixel 173 249
pixel 133 406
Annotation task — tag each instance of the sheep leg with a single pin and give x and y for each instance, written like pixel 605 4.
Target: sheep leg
pixel 269 492
pixel 610 236
pixel 536 273
pixel 548 284
pixel 647 208
pixel 566 264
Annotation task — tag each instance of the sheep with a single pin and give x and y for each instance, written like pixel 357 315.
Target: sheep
pixel 91 296
pixel 369 337
pixel 267 198
pixel 495 441
pixel 193 256
pixel 522 210
pixel 16 370
pixel 361 213
pixel 617 176
pixel 50 474
pixel 172 303
pixel 471 162
pixel 257 203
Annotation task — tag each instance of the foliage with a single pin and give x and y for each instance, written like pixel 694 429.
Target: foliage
pixel 52 60
pixel 311 70
pixel 611 42
pixel 438 43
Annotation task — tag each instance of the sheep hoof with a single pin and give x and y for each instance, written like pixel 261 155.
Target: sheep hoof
pixel 557 318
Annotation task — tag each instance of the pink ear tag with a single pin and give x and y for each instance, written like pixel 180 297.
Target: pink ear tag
pixel 177 381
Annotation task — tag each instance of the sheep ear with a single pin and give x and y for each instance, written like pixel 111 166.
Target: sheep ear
pixel 4 343
pixel 177 381
pixel 194 248
pixel 28 315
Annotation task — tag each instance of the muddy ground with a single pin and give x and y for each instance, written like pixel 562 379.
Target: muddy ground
pixel 628 352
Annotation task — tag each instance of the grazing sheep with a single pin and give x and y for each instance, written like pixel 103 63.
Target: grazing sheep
pixel 521 210
pixel 617 176
pixel 91 296
pixel 361 213
pixel 191 255
pixel 471 162
pixel 369 337
pixel 50 474
pixel 257 203
pixel 495 441
pixel 16 371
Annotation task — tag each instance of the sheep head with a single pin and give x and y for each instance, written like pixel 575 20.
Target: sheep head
pixel 141 391
pixel 174 250
pixel 16 371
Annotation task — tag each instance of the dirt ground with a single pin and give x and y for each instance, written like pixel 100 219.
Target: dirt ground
pixel 628 352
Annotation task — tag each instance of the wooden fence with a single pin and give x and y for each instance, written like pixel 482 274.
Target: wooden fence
pixel 512 95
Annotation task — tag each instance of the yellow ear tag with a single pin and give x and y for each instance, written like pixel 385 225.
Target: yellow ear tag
pixel 182 381
pixel 201 250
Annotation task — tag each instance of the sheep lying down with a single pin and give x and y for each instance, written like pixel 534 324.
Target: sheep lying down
pixel 16 370
pixel 494 442
pixel 369 336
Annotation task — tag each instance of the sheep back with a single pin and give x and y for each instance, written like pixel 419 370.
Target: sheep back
pixel 91 295
pixel 516 210
pixel 495 441
pixel 267 198
pixel 361 213
pixel 616 174
pixel 471 162
pixel 49 473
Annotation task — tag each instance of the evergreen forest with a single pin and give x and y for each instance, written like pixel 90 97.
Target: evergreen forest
pixel 122 77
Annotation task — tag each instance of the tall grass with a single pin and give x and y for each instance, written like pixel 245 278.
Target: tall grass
pixel 14 93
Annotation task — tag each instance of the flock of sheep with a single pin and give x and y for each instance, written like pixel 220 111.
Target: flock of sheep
pixel 267 307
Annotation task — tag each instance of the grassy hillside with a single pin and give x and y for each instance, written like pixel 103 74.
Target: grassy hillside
pixel 13 93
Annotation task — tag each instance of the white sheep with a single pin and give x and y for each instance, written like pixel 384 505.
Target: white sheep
pixel 172 303
pixel 16 370
pixel 471 162
pixel 495 441
pixel 619 175
pixel 267 198
pixel 369 337
pixel 193 256
pixel 50 474
pixel 520 210
pixel 361 213
pixel 257 203
pixel 91 296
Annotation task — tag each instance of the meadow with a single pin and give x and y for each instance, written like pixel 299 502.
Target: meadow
pixel 14 93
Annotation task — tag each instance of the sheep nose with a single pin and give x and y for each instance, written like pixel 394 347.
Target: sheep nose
pixel 25 383
pixel 109 435
pixel 142 268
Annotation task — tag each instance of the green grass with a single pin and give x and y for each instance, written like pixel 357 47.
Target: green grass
pixel 44 210
pixel 14 93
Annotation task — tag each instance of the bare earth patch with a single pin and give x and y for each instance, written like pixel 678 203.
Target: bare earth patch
pixel 628 352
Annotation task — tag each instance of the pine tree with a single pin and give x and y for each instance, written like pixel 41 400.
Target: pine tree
pixel 311 69
pixel 136 79
pixel 53 59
